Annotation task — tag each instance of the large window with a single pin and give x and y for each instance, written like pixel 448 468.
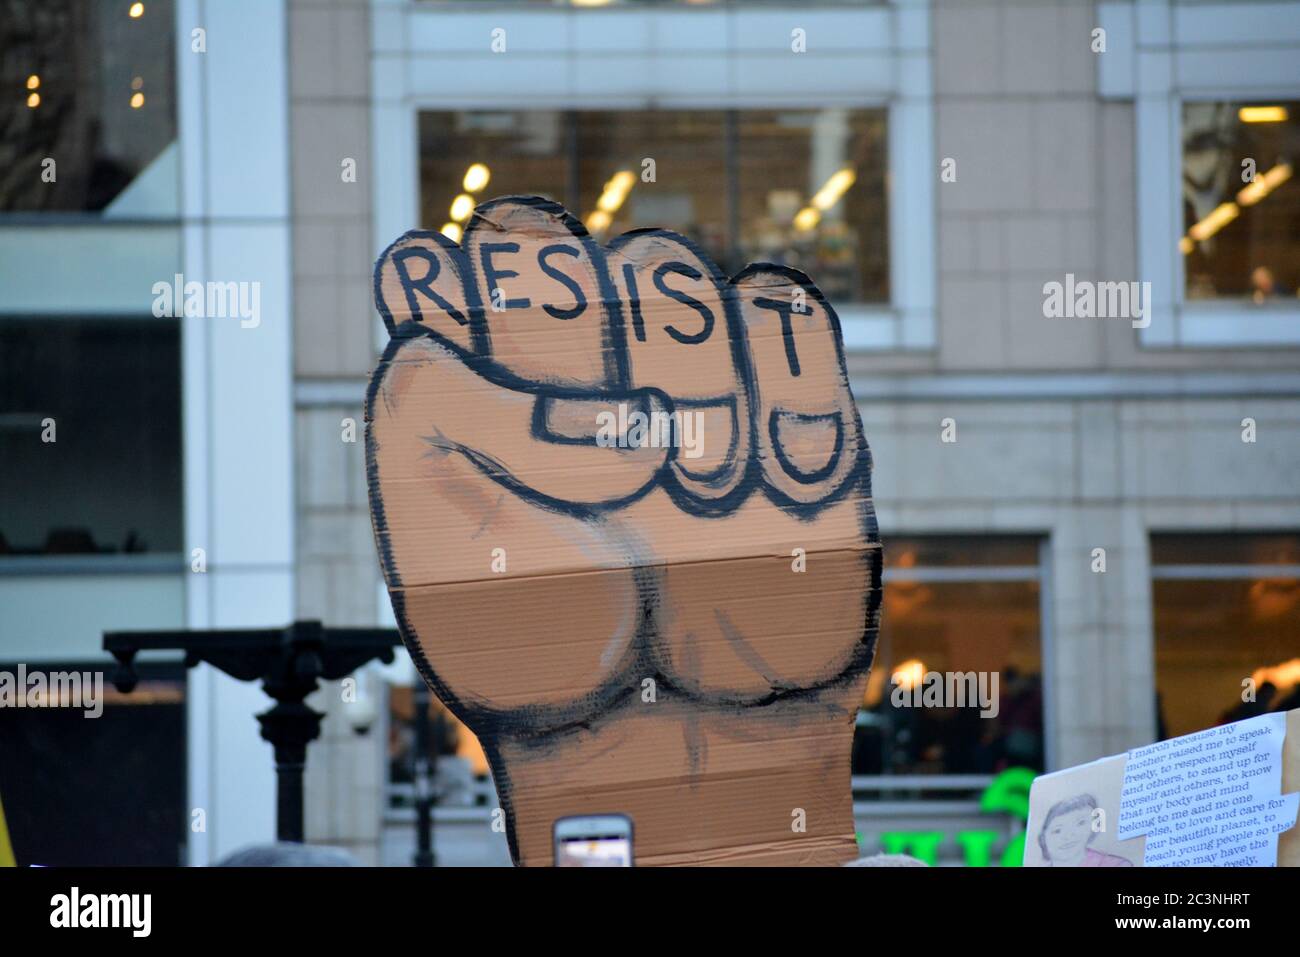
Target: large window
pixel 688 149
pixel 1241 201
pixel 1227 627
pixel 525 152
pixel 90 426
pixel 90 777
pixel 956 606
pixel 812 195
pixel 90 88
pixel 800 187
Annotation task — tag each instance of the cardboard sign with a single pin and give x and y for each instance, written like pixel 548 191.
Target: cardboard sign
pixel 623 508
pixel 1224 797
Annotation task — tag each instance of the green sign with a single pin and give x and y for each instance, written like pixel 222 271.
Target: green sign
pixel 1008 793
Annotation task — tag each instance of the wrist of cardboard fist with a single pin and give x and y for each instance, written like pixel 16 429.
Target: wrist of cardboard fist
pixel 705 787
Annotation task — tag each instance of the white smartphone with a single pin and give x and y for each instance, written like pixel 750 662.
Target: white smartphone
pixel 594 840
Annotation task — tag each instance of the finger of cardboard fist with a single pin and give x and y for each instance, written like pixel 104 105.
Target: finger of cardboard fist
pixel 546 296
pixel 682 336
pixel 425 278
pixel 755 364
pixel 427 400
pixel 526 285
pixel 808 433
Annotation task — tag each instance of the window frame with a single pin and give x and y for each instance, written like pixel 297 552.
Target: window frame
pixel 426 57
pixel 1040 572
pixel 729 145
pixel 1162 55
pixel 169 156
pixel 1224 322
pixel 1210 572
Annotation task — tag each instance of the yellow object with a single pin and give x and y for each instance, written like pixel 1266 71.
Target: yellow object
pixel 476 177
pixel 461 207
pixel 1222 214
pixel 1262 114
pixel 1265 184
pixel 6 849
pixel 615 192
pixel 807 218
pixel 833 189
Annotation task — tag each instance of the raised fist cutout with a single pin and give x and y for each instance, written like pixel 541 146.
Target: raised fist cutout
pixel 623 506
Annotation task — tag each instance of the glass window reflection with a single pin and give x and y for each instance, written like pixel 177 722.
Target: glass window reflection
pixel 1241 201
pixel 1227 628
pixel 97 95
pixel 806 188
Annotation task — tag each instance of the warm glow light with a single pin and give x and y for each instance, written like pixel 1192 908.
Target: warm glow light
pixel 1282 676
pixel 137 100
pixel 33 101
pixel 1265 184
pixel 590 3
pixel 909 674
pixel 136 11
pixel 615 192
pixel 461 207
pixel 1223 214
pixel 1227 212
pixel 476 177
pixel 33 82
pixel 807 218
pixel 1274 597
pixel 834 188
pixel 452 231
pixel 1262 114
pixel 598 221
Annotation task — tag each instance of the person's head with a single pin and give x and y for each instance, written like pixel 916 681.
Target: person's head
pixel 1067 829
pixel 1261 279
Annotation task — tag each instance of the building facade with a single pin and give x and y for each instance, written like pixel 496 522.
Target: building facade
pixel 1088 488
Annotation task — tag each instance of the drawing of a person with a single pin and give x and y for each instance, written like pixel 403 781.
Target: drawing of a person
pixel 1067 832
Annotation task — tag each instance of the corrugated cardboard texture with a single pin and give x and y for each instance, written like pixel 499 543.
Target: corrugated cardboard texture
pixel 675 627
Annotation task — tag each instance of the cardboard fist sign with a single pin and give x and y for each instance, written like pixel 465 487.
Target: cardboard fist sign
pixel 624 513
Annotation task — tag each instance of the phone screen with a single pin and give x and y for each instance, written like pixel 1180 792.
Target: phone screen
pixel 591 845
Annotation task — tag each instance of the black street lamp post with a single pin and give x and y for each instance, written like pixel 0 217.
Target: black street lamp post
pixel 289 662
pixel 424 777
